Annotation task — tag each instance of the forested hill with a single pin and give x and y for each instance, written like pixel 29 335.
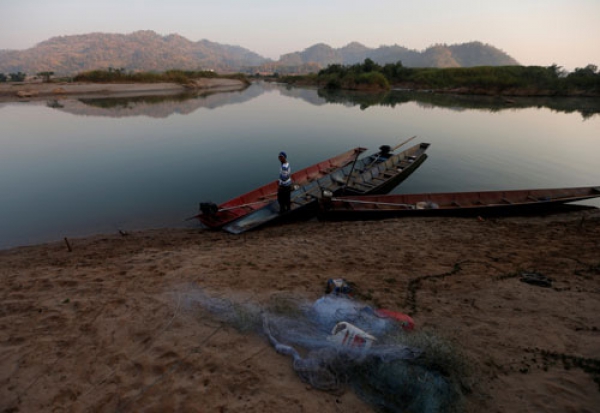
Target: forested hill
pixel 149 51
pixel 459 55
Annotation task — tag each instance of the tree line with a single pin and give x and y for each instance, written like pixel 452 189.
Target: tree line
pixel 121 75
pixel 495 79
pixel 525 80
pixel 20 77
pixel 12 77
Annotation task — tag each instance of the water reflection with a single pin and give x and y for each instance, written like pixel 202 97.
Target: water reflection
pixel 587 107
pixel 155 106
pixel 163 106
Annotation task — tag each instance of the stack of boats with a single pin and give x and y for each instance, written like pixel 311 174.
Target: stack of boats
pixel 351 187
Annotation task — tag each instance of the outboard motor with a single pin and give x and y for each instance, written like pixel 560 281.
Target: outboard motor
pixel 209 208
pixel 384 151
pixel 326 196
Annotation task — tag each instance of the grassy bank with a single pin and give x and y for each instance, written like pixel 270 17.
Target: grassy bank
pixel 170 76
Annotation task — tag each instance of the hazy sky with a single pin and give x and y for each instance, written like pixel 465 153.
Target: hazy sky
pixel 535 32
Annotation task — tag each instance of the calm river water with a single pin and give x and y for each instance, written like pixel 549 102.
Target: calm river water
pixel 74 167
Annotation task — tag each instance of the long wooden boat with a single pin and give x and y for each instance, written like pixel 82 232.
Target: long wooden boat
pixel 215 216
pixel 382 172
pixel 376 173
pixel 488 203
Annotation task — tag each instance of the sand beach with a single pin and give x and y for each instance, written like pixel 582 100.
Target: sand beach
pixel 112 325
pixel 36 90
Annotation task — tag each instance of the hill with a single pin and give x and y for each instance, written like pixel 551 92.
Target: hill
pixel 142 50
pixel 459 55
pixel 149 51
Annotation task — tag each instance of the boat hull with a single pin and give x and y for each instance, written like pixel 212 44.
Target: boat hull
pixel 354 177
pixel 484 204
pixel 383 176
pixel 214 217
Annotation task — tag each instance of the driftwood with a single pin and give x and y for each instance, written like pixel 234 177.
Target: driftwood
pixel 68 245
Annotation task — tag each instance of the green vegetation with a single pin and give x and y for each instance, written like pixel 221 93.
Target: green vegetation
pixel 12 77
pixel 120 75
pixel 366 76
pixel 46 76
pixel 170 76
pixel 507 80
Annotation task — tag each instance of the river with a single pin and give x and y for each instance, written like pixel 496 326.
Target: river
pixel 76 167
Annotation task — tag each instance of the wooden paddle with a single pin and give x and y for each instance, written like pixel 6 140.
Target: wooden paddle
pixel 350 173
pixel 245 205
pixel 403 143
pixel 391 150
pixel 356 201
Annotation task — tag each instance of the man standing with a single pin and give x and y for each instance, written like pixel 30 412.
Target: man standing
pixel 285 184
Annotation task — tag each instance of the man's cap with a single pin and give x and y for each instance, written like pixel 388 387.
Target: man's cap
pixel 282 153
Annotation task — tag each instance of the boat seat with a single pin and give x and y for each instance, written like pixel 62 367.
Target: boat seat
pixel 389 172
pixel 338 179
pixel 365 184
pixel 357 179
pixel 368 183
pixel 361 188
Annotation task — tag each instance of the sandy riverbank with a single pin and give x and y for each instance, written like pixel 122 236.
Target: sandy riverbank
pixel 38 90
pixel 112 326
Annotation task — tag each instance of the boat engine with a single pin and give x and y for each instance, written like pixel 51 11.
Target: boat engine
pixel 326 198
pixel 384 150
pixel 209 208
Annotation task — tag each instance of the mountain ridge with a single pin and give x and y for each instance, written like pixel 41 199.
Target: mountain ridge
pixel 145 50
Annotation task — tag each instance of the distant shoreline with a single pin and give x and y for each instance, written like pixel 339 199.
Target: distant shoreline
pixel 36 90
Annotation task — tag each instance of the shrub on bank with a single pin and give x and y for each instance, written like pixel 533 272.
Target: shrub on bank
pixel 170 76
pixel 534 80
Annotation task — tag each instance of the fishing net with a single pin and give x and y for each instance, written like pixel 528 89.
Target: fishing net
pixel 389 368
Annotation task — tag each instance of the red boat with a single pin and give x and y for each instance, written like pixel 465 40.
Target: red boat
pixel 215 216
pixel 482 203
pixel 371 174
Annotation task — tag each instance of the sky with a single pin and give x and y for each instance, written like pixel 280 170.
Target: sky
pixel 534 32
